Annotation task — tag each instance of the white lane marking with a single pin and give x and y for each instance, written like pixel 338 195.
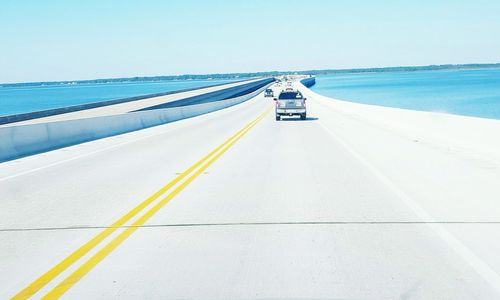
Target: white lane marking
pixel 122 143
pixel 485 271
pixel 82 155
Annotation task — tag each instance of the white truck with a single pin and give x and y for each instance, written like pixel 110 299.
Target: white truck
pixel 290 103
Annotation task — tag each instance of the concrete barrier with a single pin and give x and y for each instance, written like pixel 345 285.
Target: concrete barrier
pixel 308 82
pixel 24 140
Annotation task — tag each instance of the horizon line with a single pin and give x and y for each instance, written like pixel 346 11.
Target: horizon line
pixel 249 74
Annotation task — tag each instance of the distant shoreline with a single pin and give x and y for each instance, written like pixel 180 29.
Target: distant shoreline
pixel 236 76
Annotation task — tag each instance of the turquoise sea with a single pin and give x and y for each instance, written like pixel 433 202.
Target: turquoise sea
pixel 22 99
pixel 462 92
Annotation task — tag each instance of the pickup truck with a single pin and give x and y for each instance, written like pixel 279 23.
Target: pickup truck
pixel 290 103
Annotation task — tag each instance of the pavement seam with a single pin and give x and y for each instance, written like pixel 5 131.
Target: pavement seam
pixel 254 223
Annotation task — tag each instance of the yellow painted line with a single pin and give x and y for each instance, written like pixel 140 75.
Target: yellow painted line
pixel 72 279
pixel 47 277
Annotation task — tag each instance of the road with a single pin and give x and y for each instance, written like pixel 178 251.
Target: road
pixel 320 208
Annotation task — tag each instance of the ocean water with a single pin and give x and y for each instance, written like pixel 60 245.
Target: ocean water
pixel 14 100
pixel 462 92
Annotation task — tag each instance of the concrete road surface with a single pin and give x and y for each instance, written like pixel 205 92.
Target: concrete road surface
pixel 320 208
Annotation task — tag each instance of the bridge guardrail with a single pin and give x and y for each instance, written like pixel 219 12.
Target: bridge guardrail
pixel 308 82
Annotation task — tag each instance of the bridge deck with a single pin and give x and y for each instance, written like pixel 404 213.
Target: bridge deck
pixel 321 208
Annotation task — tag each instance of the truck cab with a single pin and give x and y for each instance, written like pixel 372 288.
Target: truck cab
pixel 290 103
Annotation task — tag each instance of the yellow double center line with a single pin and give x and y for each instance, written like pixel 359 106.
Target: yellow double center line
pixel 191 173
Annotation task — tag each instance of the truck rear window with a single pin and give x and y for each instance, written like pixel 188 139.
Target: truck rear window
pixel 290 95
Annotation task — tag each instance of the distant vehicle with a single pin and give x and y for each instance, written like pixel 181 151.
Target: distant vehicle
pixel 290 103
pixel 268 93
pixel 289 83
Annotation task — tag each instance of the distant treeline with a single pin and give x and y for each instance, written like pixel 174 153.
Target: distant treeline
pixel 403 69
pixel 242 76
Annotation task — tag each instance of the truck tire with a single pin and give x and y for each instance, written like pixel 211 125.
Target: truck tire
pixel 278 118
pixel 303 116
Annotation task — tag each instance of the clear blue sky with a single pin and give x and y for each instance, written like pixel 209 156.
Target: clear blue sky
pixel 69 40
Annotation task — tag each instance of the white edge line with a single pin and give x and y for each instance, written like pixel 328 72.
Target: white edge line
pixel 82 155
pixel 107 148
pixel 463 251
